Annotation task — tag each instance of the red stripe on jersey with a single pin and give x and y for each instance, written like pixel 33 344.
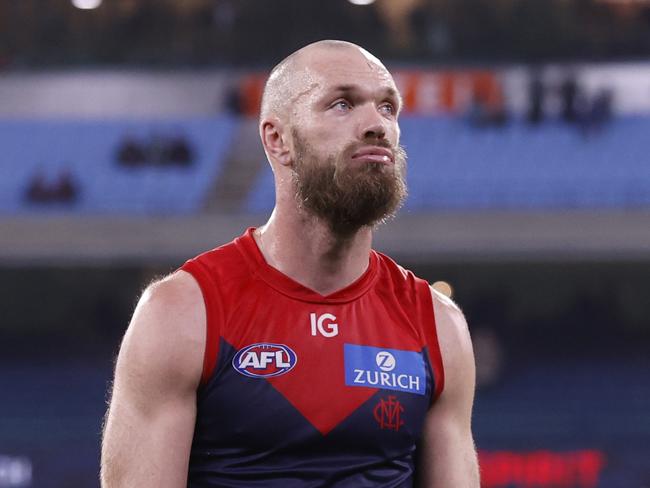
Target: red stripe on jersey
pixel 212 312
pixel 431 339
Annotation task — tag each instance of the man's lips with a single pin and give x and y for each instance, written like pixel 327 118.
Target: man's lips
pixel 375 154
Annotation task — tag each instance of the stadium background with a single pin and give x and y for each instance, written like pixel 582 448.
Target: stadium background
pixel 128 144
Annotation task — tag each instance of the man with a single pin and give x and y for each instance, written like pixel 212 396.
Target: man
pixel 296 356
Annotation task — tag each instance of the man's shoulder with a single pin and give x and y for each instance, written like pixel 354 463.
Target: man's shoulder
pixel 397 272
pixel 452 329
pixel 173 306
pixel 400 274
pixel 225 261
pixel 224 253
pixel 178 289
pixel 402 280
pixel 167 332
pixel 445 303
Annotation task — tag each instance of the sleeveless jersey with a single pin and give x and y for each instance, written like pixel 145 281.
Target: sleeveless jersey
pixel 305 390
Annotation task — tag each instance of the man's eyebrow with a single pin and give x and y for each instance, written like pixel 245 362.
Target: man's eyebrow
pixel 350 88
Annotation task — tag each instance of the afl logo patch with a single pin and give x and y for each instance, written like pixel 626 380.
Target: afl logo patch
pixel 264 360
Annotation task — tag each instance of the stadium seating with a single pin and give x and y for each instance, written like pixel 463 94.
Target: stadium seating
pixel 88 151
pixel 550 405
pixel 451 166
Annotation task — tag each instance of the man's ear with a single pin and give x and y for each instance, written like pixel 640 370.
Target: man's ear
pixel 275 141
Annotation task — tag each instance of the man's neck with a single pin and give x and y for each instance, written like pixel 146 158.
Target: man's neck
pixel 305 250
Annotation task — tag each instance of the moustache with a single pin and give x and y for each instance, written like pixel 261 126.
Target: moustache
pixel 396 150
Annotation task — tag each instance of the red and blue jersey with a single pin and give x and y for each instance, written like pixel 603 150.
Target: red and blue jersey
pixel 305 390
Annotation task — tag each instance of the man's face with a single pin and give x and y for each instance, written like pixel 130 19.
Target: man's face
pixel 348 167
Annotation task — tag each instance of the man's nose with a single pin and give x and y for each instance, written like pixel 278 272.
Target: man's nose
pixel 372 124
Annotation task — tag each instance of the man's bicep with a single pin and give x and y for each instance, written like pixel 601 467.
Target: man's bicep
pixel 150 422
pixel 447 453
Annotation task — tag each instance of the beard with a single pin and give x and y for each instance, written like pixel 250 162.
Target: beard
pixel 344 194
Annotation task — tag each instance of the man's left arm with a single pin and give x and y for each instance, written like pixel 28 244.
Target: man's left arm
pixel 447 456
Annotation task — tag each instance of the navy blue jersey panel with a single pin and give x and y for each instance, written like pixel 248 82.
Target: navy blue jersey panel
pixel 241 420
pixel 432 381
pixel 248 434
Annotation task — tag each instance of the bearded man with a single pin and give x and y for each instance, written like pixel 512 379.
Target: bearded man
pixel 296 356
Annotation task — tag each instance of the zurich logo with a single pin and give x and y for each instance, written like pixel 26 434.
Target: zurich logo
pixel 385 361
pixel 386 369
pixel 264 360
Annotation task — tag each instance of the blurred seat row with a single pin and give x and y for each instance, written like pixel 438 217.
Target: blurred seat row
pixel 171 167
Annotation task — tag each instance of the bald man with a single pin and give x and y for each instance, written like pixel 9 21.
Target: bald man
pixel 297 356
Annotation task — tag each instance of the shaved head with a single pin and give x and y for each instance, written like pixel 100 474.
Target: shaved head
pixel 289 79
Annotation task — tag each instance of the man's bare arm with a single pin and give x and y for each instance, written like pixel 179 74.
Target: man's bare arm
pixel 448 456
pixel 150 422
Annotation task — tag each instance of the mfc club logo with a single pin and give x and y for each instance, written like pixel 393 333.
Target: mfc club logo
pixel 388 414
pixel 264 360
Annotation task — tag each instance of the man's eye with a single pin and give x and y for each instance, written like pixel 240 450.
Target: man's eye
pixel 342 105
pixel 387 108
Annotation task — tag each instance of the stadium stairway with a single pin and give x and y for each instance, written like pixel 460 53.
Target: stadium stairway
pixel 242 165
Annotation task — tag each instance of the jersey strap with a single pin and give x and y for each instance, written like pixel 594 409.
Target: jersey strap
pixel 430 333
pixel 212 314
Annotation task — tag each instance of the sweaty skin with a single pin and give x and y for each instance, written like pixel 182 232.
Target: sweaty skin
pixel 334 94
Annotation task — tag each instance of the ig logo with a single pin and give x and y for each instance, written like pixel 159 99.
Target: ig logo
pixel 318 325
pixel 385 361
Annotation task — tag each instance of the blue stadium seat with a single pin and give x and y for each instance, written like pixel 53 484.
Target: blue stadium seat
pixel 87 149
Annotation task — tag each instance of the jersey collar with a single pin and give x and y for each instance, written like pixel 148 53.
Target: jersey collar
pixel 287 286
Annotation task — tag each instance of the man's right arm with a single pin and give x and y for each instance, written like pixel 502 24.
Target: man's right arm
pixel 150 421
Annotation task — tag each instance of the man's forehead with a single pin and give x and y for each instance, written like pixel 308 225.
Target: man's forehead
pixel 330 68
